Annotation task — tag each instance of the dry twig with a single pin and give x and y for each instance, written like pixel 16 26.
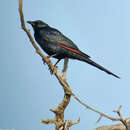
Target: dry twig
pixel 59 111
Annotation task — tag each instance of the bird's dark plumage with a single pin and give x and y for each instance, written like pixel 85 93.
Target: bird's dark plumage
pixel 53 42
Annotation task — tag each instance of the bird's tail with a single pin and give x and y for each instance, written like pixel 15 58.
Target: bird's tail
pixel 89 61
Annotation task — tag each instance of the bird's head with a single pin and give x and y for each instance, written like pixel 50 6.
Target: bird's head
pixel 37 24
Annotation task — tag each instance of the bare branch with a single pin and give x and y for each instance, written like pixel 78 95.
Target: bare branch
pixel 93 109
pixel 65 68
pixel 47 121
pixel 70 123
pixel 59 111
pixel 38 51
pixel 101 114
pixel 120 117
pixel 114 127
pixel 98 119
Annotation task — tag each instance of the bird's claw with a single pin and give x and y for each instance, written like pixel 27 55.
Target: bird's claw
pixel 44 62
pixel 56 66
pixel 53 71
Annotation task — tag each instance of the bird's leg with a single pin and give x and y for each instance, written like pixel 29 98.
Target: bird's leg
pixel 66 60
pixel 55 65
pixel 57 62
pixel 51 56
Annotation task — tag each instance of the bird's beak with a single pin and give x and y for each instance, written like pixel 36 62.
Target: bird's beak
pixel 30 22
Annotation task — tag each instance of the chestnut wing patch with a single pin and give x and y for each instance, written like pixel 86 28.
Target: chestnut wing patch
pixel 68 48
pixel 74 50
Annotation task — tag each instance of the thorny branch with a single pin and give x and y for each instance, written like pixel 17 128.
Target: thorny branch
pixel 59 111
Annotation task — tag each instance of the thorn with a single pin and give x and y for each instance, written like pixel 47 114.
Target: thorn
pixel 98 120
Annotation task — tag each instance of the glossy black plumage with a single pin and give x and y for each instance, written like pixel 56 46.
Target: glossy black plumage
pixel 53 42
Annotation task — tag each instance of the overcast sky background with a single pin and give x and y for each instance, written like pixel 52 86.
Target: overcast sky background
pixel 100 28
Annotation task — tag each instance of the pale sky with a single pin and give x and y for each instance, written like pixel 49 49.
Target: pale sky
pixel 100 28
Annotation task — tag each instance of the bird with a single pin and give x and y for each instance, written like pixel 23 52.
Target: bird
pixel 58 46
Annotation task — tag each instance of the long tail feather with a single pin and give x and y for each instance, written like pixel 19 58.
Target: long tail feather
pixel 89 61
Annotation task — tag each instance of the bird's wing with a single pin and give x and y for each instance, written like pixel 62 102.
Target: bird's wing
pixel 77 51
pixel 55 36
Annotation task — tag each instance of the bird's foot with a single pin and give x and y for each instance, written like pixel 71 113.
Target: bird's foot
pixel 44 62
pixel 54 69
pixel 51 72
pixel 51 56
